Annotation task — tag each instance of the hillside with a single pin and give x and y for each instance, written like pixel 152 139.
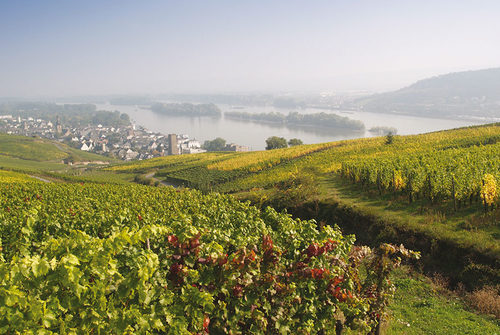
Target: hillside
pixel 120 259
pixel 425 187
pixel 49 159
pixel 469 94
pixel 43 150
pixel 125 250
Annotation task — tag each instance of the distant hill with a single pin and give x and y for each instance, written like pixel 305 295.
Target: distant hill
pixel 469 94
pixel 32 153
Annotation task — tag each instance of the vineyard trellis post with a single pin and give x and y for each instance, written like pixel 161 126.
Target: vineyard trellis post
pixel 453 193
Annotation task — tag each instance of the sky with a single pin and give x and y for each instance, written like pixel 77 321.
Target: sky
pixel 60 48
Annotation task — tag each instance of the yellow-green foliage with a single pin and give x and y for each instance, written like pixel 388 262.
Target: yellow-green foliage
pixel 489 191
pixel 15 177
pixel 130 259
pixel 259 160
pixel 32 153
pixel 161 162
pixel 30 148
pixel 464 155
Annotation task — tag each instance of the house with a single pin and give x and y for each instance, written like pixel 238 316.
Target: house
pixel 236 147
pixel 130 154
pixel 85 147
pixel 153 146
pixel 193 151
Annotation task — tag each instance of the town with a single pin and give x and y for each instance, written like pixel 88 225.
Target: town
pixel 126 142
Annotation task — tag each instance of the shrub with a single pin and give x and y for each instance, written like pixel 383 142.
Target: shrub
pixel 485 300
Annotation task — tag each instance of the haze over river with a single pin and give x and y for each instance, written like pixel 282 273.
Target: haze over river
pixel 254 134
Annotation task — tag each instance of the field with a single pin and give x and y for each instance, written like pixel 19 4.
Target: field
pixel 74 250
pixel 430 156
pixel 45 159
pixel 451 175
pixel 15 177
pixel 137 259
pixel 41 155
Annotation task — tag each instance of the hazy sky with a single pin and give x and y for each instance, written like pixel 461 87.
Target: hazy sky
pixel 103 47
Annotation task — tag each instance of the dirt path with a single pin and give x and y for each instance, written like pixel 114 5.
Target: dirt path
pixel 42 179
pixel 164 183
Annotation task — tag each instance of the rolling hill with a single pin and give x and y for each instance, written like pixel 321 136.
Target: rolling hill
pixel 48 158
pixel 126 250
pixel 469 94
pixel 421 188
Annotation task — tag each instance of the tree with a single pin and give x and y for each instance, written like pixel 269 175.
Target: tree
pixel 295 141
pixel 389 139
pixel 218 144
pixel 275 142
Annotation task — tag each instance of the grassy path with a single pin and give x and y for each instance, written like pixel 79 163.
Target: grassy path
pixel 419 307
pixel 446 226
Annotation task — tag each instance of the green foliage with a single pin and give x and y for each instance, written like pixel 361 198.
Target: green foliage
pixel 218 144
pixel 143 180
pixel 135 259
pixel 389 138
pixel 42 150
pixel 275 142
pixel 295 141
pixel 294 192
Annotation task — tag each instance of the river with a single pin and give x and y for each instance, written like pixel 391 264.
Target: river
pixel 254 134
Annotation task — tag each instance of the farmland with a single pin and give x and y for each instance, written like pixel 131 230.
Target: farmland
pixel 92 243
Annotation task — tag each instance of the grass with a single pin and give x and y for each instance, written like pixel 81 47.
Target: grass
pixel 12 163
pixel 439 222
pixel 43 150
pixel 44 158
pixel 419 307
pixel 30 148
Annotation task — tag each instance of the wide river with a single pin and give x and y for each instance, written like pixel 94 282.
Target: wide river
pixel 254 134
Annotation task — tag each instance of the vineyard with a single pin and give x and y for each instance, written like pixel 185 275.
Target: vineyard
pixel 443 185
pixel 211 170
pixel 460 174
pixel 134 259
pixel 462 166
pixel 116 257
pixel 15 177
